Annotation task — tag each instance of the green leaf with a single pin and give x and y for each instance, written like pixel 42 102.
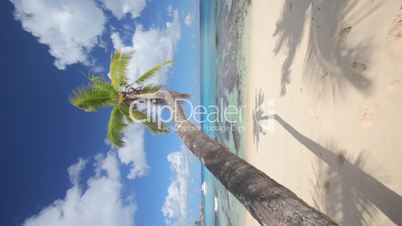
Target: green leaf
pixel 118 66
pixel 99 83
pixel 153 127
pixel 95 79
pixel 115 127
pixel 142 117
pixel 124 108
pixel 148 74
pixel 93 97
pixel 150 89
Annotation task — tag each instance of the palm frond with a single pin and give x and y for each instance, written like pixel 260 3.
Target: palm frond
pixel 115 127
pixel 91 98
pixel 141 116
pixel 118 66
pixel 149 89
pixel 124 108
pixel 154 127
pixel 148 74
pixel 94 79
pixel 99 83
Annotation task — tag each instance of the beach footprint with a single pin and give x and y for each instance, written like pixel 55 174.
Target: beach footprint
pixel 324 79
pixel 358 67
pixel 341 159
pixel 357 78
pixel 343 35
pixel 395 37
pixel 395 87
pixel 369 113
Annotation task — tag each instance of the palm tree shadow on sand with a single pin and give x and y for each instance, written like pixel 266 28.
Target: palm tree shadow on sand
pixel 361 189
pixel 259 117
pixel 334 194
pixel 289 30
pixel 330 63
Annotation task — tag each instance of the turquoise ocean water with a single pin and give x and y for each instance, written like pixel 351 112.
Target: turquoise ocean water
pixel 208 94
pixel 223 69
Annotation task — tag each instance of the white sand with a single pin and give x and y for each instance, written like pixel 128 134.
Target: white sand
pixel 338 143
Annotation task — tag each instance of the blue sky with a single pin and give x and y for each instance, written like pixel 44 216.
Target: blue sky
pixel 57 168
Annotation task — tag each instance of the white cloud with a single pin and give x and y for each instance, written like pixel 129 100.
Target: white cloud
pixel 75 170
pixel 169 10
pixel 116 40
pixel 188 19
pixel 133 152
pixel 98 69
pixel 175 206
pixel 151 47
pixel 99 204
pixel 120 7
pixel 70 28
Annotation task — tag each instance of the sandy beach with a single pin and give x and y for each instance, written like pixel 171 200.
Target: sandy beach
pixel 325 104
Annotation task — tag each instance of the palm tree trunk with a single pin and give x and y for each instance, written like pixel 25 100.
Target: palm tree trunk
pixel 268 202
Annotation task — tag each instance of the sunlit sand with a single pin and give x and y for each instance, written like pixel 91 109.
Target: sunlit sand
pixel 334 70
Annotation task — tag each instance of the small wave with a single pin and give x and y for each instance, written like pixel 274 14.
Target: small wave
pixel 204 188
pixel 216 204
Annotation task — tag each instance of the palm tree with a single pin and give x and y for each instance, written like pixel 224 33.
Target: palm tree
pixel 269 202
pixel 119 94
